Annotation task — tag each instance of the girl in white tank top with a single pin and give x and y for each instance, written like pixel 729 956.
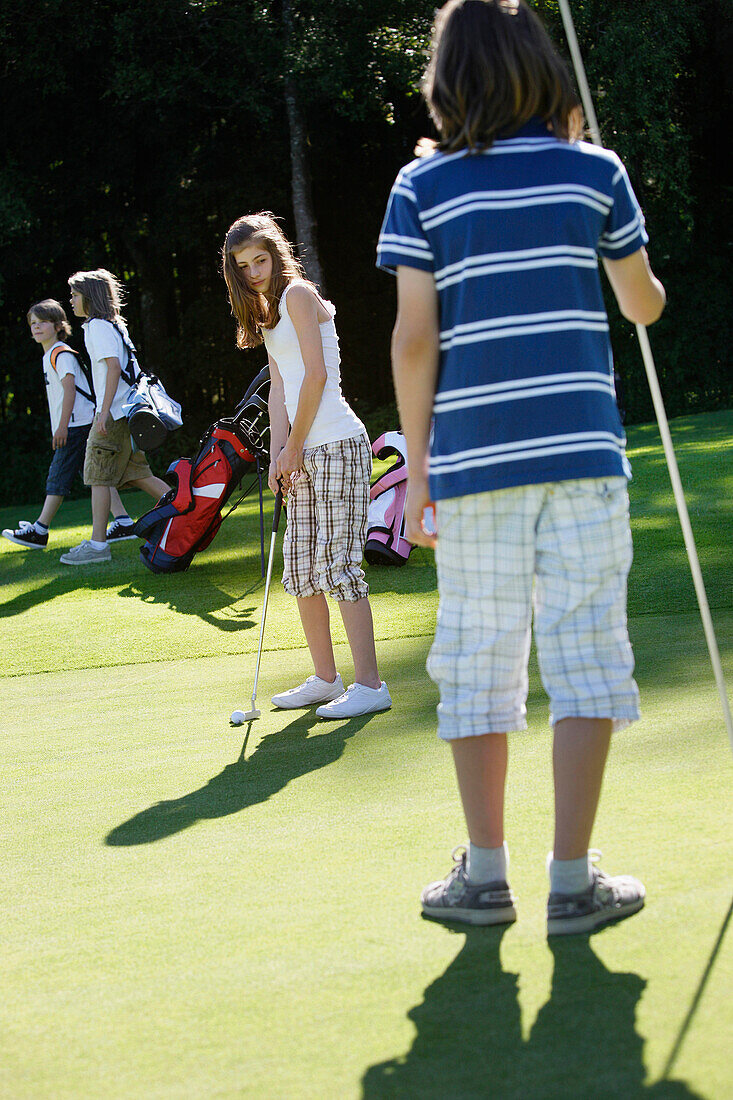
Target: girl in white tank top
pixel 319 456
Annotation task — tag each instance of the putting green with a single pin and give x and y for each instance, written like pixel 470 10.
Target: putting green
pixel 178 922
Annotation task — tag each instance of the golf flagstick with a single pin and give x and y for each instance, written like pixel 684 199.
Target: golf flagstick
pixel 651 373
pixel 239 717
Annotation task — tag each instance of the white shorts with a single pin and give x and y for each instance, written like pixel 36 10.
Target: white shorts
pixel 563 548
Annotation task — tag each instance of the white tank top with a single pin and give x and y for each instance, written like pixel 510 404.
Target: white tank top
pixel 335 418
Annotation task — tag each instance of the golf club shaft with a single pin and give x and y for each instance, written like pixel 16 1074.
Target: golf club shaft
pixel 275 525
pixel 687 535
pixel 656 394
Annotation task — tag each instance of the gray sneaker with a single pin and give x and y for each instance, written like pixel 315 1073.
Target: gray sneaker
pixel 85 554
pixel 456 899
pixel 608 898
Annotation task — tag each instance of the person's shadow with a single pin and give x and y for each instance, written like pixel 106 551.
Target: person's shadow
pixel 278 759
pixel 52 584
pixel 469 1043
pixel 469 1033
pixel 205 599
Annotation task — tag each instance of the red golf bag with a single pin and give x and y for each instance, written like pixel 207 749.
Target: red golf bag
pixel 187 518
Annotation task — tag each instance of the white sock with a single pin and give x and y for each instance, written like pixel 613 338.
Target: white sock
pixel 97 545
pixel 570 876
pixel 41 527
pixel 126 521
pixel 487 864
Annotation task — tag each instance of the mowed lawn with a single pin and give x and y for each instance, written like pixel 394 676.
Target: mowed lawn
pixel 180 920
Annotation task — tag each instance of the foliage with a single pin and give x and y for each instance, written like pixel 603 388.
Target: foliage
pixel 657 76
pixel 134 133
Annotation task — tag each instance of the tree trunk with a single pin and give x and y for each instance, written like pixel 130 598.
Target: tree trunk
pixel 155 292
pixel 305 221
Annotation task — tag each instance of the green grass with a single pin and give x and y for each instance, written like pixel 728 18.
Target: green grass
pixel 178 924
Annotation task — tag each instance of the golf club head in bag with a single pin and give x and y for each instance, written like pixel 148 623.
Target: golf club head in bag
pixel 252 415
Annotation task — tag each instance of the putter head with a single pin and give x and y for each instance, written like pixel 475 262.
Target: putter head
pixel 239 717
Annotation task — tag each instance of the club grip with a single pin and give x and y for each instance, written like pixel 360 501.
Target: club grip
pixel 278 509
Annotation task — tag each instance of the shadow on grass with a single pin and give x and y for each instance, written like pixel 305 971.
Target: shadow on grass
pixel 197 595
pixel 469 1041
pixel 59 584
pixel 698 993
pixel 202 598
pixel 278 759
pixel 417 575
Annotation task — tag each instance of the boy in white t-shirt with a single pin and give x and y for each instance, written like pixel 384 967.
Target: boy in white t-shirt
pixel 71 409
pixel 110 463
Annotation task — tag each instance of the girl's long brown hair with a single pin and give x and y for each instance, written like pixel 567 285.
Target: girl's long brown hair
pixel 492 68
pixel 254 311
pixel 102 292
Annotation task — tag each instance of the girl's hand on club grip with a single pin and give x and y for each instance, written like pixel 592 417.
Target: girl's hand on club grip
pixel 272 477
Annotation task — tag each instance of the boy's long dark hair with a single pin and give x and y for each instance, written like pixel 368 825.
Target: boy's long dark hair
pixel 493 68
pixel 254 311
pixel 103 294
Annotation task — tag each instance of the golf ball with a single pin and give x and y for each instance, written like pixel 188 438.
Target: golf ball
pixel 237 718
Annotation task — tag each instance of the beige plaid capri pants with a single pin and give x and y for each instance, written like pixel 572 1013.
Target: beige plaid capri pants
pixel 327 507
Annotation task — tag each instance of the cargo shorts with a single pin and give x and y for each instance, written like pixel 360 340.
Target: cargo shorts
pixel 110 459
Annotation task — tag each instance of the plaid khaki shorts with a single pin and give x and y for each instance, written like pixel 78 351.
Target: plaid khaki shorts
pixel 324 541
pixel 561 550
pixel 110 459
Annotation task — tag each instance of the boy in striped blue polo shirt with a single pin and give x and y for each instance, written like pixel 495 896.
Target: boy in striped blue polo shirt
pixel 501 341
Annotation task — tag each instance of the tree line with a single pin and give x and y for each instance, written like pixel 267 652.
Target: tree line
pixel 135 133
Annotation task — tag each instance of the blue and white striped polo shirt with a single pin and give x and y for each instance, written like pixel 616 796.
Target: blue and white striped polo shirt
pixel 512 235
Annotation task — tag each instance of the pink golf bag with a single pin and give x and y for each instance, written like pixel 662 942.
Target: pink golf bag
pixel 386 543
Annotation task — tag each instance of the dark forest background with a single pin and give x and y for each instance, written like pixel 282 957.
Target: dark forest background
pixel 135 131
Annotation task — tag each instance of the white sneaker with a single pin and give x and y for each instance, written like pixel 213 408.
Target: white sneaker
pixel 314 690
pixel 357 699
pixel 85 554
